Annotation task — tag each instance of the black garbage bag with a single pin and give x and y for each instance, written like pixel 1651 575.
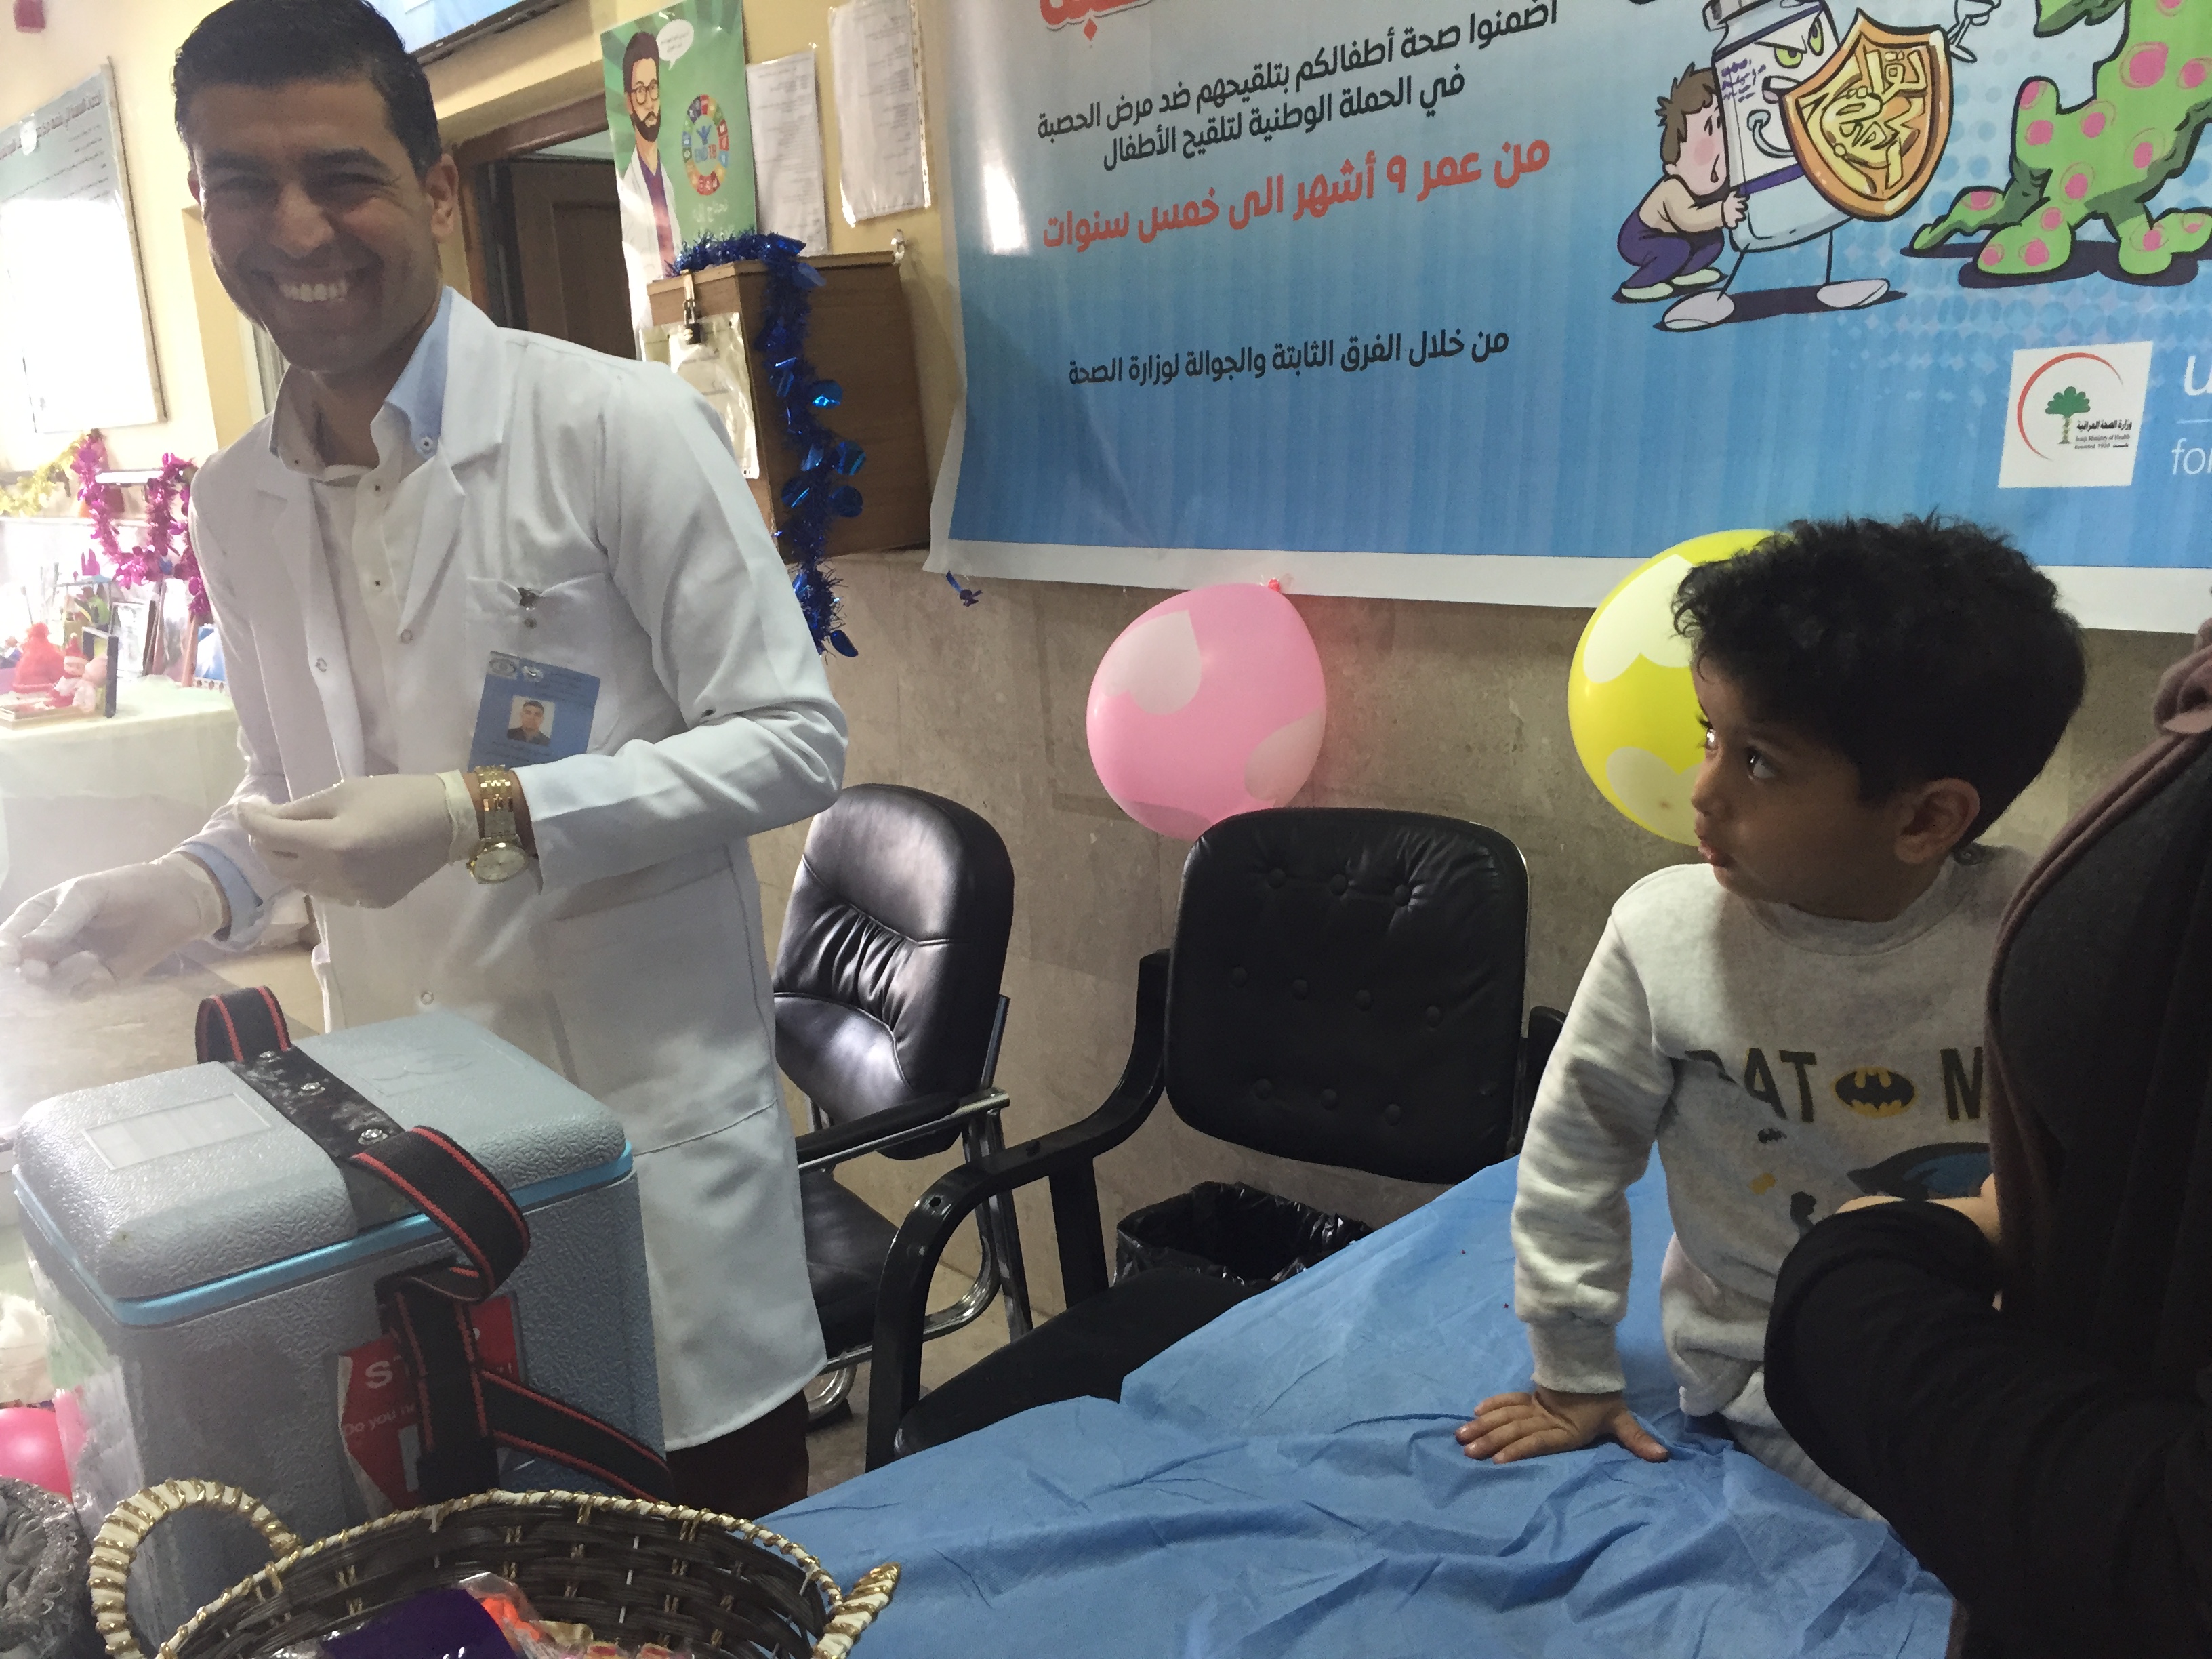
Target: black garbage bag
pixel 1232 1232
pixel 46 1606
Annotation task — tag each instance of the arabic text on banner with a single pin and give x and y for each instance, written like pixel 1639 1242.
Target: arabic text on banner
pixel 1570 281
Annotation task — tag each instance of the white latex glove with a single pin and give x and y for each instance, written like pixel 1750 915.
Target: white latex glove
pixel 369 841
pixel 96 932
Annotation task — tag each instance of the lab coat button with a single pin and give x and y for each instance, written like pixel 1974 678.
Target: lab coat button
pixel 322 666
pixel 428 997
pixel 406 637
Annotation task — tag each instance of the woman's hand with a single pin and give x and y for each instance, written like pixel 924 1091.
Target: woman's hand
pixel 1981 1209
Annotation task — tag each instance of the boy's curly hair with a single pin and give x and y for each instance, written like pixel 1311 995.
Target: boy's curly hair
pixel 1920 648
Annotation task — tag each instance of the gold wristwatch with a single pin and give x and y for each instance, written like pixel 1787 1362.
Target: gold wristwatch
pixel 500 855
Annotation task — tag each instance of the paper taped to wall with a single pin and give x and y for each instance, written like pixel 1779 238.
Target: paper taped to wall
pixel 882 168
pixel 787 168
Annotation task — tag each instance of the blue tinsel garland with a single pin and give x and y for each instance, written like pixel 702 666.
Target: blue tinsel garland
pixel 817 491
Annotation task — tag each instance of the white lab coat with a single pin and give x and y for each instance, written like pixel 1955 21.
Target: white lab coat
pixel 641 235
pixel 630 957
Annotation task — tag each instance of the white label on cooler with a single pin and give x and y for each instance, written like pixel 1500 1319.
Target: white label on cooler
pixel 176 1129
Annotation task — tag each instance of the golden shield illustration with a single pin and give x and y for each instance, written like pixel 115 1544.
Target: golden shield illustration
pixel 1870 126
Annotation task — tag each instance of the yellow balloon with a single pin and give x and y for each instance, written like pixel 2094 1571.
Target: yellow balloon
pixel 1630 702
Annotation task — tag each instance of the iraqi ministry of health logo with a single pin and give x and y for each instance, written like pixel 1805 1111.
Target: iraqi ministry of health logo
pixel 2074 417
pixel 1059 14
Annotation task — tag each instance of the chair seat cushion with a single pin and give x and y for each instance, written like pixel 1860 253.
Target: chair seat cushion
pixel 1088 1350
pixel 847 1245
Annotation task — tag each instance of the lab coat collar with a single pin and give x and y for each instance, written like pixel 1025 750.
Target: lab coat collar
pixel 478 386
pixel 416 400
pixel 418 397
pixel 453 395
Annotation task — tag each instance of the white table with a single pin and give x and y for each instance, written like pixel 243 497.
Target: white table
pixel 86 795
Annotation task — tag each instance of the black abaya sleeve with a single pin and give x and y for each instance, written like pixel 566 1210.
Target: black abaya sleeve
pixel 2064 1506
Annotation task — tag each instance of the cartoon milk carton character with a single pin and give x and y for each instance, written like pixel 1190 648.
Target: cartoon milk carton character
pixel 1766 47
pixel 1773 56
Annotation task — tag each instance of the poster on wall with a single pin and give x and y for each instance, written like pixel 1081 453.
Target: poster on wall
pixel 1481 304
pixel 684 147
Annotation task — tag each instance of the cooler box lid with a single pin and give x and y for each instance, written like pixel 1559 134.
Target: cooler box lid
pixel 190 1188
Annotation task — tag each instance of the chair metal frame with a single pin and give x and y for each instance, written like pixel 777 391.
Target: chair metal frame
pixel 1064 1157
pixel 999 1269
pixel 1067 1159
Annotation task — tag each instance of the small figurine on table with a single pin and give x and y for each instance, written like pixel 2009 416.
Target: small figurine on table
pixel 64 693
pixel 91 685
pixel 39 668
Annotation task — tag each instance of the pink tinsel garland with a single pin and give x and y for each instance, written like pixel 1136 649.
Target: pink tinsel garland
pixel 167 549
pixel 101 500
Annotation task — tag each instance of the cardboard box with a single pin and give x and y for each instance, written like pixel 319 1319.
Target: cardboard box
pixel 860 335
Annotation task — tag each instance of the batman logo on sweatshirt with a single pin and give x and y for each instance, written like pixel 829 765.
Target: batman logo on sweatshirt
pixel 1875 1090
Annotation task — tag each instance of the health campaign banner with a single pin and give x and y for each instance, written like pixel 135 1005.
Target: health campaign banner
pixel 1429 301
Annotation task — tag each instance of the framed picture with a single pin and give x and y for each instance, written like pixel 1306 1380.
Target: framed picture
pixel 138 635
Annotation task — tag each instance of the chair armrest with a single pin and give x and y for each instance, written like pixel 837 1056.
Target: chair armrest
pixel 1064 1157
pixel 840 1141
pixel 1544 1026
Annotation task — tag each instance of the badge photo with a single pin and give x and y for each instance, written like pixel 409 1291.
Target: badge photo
pixel 532 712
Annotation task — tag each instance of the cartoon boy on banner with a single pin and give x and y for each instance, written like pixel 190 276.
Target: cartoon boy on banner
pixel 676 113
pixel 1811 131
pixel 1676 234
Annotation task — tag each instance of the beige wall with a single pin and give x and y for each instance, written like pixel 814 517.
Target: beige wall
pixel 1449 708
pixel 1453 708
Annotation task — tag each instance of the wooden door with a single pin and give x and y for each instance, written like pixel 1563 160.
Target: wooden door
pixel 567 233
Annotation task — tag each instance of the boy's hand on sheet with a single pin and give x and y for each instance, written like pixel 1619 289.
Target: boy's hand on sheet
pixel 1507 1427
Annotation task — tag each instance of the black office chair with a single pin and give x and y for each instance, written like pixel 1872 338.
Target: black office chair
pixel 1344 987
pixel 888 1017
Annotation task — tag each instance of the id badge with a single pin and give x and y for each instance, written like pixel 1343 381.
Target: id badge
pixel 532 712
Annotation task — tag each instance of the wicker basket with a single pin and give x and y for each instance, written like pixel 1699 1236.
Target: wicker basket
pixel 714 1586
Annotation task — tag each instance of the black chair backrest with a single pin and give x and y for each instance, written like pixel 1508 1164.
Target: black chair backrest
pixel 887 977
pixel 1345 988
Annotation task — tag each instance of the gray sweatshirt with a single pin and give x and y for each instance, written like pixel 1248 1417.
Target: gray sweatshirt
pixel 1783 1064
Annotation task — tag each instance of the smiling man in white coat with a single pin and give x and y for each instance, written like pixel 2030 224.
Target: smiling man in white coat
pixel 439 515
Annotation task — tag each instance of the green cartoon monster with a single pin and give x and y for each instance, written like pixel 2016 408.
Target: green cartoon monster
pixel 2106 158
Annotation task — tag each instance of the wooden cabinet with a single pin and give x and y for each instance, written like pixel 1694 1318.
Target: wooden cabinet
pixel 859 335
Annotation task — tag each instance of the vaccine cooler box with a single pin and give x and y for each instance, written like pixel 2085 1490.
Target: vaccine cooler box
pixel 211 1277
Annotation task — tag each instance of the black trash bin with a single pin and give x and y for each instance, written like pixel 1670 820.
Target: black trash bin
pixel 1232 1232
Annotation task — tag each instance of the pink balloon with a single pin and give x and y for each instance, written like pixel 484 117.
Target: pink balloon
pixel 1210 704
pixel 30 1448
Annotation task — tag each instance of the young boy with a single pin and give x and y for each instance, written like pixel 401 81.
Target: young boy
pixel 1797 1021
pixel 1675 234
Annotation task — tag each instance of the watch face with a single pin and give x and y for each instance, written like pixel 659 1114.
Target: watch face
pixel 500 861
